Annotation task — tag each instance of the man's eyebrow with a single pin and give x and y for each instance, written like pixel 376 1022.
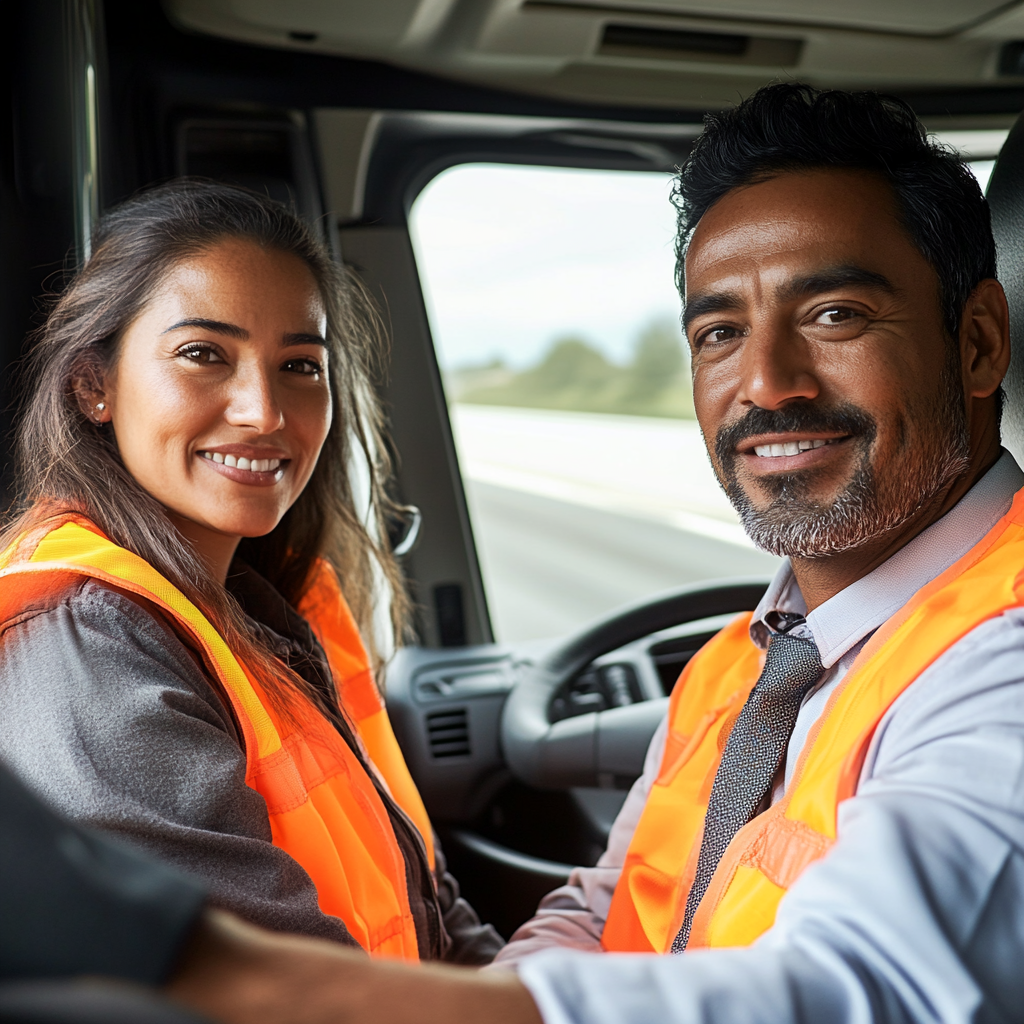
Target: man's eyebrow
pixel 301 338
pixel 831 278
pixel 715 302
pixel 217 326
pixel 799 287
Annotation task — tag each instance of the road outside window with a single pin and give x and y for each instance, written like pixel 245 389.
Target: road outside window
pixel 554 313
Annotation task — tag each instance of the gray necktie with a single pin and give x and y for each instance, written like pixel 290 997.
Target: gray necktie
pixel 752 755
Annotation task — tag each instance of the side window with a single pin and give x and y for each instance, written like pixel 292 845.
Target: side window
pixel 552 305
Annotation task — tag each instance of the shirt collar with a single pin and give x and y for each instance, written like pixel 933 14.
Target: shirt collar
pixel 846 619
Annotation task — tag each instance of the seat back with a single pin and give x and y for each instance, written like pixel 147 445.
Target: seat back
pixel 1006 199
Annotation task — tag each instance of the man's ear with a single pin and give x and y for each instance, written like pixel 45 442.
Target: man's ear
pixel 87 387
pixel 985 339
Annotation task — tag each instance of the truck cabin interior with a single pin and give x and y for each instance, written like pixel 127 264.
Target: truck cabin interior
pixel 523 745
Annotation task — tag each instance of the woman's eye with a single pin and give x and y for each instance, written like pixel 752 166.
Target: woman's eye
pixel 200 354
pixel 307 367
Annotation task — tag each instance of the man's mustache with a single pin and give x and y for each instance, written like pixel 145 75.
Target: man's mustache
pixel 802 418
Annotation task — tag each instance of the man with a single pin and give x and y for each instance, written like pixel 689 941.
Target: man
pixel 858 813
pixel 837 795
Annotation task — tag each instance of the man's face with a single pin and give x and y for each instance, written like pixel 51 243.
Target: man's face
pixel 828 392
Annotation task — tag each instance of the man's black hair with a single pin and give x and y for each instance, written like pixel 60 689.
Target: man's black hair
pixel 794 127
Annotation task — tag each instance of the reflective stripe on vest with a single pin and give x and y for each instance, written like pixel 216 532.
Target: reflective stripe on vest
pixel 324 810
pixel 768 854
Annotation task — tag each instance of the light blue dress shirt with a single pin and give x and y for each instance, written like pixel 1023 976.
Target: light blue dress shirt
pixel 916 914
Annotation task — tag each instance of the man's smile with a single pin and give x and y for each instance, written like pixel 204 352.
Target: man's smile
pixel 789 452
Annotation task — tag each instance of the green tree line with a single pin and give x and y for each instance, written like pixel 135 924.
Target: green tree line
pixel 572 374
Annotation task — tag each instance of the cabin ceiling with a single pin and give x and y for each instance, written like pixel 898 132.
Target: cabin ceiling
pixel 671 53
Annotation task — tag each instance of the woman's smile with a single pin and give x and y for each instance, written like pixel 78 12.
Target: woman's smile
pixel 252 468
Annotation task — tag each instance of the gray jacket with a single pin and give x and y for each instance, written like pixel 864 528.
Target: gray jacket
pixel 116 723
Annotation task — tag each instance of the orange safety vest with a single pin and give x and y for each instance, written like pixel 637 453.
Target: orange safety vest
pixel 324 809
pixel 769 853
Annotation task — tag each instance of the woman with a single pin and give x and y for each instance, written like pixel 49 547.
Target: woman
pixel 178 665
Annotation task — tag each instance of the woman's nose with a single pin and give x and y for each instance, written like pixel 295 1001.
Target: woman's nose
pixel 253 401
pixel 777 367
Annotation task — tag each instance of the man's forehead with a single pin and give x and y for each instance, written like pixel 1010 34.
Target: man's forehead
pixel 795 223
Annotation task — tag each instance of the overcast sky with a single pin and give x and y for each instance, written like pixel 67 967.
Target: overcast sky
pixel 513 257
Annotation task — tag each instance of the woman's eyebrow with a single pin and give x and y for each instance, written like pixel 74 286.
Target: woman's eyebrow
pixel 217 326
pixel 234 331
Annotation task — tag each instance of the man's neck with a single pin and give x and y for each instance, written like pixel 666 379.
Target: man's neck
pixel 823 577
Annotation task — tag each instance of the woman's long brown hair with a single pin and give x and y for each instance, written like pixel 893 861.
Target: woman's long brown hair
pixel 66 463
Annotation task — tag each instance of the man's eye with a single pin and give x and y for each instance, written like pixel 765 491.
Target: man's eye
pixel 307 367
pixel 199 353
pixel 836 316
pixel 717 335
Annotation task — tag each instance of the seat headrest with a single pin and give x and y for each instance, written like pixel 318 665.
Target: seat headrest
pixel 1006 200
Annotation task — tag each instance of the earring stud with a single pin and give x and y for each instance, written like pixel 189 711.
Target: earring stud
pixel 100 406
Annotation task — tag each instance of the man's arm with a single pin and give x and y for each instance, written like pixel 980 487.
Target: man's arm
pixel 235 973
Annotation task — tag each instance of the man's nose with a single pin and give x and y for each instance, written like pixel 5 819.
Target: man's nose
pixel 777 367
pixel 253 401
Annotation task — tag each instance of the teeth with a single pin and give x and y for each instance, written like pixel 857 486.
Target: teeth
pixel 768 451
pixel 252 465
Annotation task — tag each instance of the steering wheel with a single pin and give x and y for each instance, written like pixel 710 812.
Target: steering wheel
pixel 582 750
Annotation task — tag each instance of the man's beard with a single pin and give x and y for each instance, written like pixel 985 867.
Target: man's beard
pixel 872 503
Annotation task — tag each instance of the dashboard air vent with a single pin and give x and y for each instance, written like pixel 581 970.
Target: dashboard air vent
pixel 448 733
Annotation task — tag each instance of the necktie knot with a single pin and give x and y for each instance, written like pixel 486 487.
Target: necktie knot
pixel 792 665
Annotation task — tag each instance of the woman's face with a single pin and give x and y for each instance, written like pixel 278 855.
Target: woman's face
pixel 219 399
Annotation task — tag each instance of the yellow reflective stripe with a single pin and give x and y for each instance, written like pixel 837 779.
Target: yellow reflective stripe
pixel 72 548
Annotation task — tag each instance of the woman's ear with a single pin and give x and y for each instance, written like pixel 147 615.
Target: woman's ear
pixel 91 397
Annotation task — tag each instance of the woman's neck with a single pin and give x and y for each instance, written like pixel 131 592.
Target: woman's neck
pixel 216 549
